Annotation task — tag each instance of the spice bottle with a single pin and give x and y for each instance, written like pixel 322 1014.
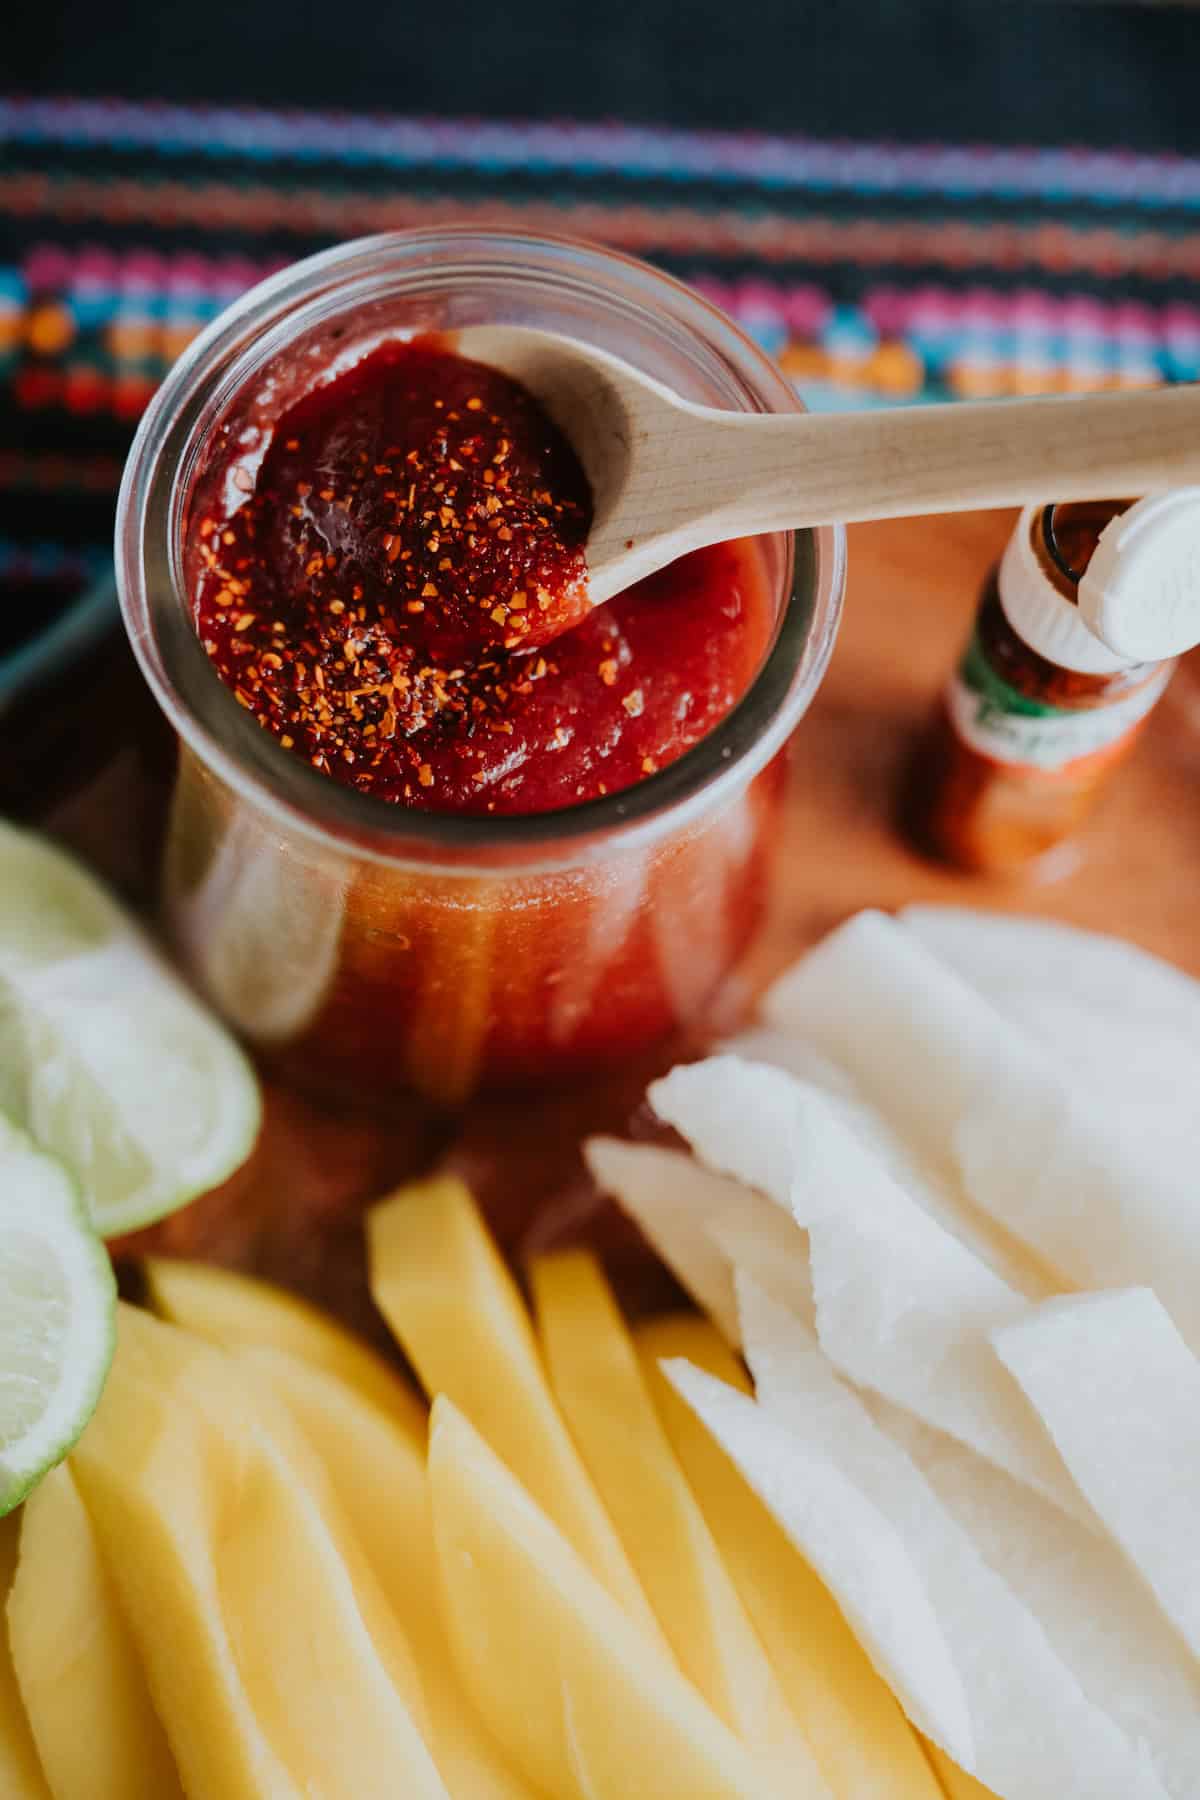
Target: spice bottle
pixel 1074 641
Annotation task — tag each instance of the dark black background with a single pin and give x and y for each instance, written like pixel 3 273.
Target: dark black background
pixel 966 70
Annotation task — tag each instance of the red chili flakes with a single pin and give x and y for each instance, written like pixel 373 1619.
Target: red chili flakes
pixel 376 625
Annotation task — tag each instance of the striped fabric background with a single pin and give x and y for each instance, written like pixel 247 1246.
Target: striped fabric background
pixel 877 274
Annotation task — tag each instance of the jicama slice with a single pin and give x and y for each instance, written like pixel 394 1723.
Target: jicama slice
pixel 257 1656
pixel 740 1115
pixel 956 1782
pixel 20 1771
pixel 1035 1733
pixel 851 1544
pixel 1097 1208
pixel 84 1691
pixel 784 1050
pixel 770 1246
pixel 902 1306
pixel 445 1291
pixel 376 1470
pixel 1097 1613
pixel 691 1214
pixel 598 1384
pixel 579 1696
pixel 1119 1392
pixel 864 1745
pixel 905 1309
pixel 671 1197
pixel 1126 1023
pixel 1016 960
pixel 872 999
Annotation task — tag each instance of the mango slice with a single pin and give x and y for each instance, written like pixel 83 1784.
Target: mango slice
pixel 236 1311
pixel 21 1776
pixel 233 1310
pixel 257 1655
pixel 864 1746
pixel 443 1287
pixel 599 1386
pixel 377 1474
pixel 308 1471
pixel 581 1699
pixel 84 1691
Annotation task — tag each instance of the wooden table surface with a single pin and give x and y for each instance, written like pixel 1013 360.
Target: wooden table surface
pixel 294 1210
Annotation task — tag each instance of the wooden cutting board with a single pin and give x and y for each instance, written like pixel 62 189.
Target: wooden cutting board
pixel 94 765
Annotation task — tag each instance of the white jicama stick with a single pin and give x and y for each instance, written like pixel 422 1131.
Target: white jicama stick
pixel 850 1543
pixel 1014 961
pixel 902 1306
pixel 784 1050
pixel 738 1115
pixel 1127 1024
pixel 672 1198
pixel 905 1309
pixel 1037 1736
pixel 1097 1613
pixel 770 1246
pixel 872 999
pixel 1119 1392
pixel 739 1118
pixel 1054 1171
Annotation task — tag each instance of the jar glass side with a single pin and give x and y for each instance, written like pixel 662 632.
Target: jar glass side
pixel 367 948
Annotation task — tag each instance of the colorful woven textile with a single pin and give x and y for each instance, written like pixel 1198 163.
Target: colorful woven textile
pixel 875 274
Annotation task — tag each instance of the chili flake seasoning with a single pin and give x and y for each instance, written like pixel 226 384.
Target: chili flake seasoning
pixel 399 595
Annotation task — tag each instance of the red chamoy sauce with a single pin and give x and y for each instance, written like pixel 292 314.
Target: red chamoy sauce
pixel 399 595
pixel 396 589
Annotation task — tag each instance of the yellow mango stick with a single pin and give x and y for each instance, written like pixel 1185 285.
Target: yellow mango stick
pixel 84 1690
pixel 309 1472
pixel 598 1383
pixel 236 1310
pixel 258 1658
pixel 443 1287
pixel 21 1776
pixel 862 1741
pixel 377 1473
pixel 581 1698
pixel 244 1314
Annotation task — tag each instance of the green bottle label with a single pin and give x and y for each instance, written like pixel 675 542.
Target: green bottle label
pixel 1009 727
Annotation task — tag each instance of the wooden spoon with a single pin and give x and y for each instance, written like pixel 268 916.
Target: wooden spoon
pixel 668 476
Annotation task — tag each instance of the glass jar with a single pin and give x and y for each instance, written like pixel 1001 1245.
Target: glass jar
pixel 367 949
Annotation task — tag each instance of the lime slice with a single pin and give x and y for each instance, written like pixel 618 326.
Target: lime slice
pixel 57 1314
pixel 270 937
pixel 106 1058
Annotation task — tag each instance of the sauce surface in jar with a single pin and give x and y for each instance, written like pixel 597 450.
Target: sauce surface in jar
pixel 398 593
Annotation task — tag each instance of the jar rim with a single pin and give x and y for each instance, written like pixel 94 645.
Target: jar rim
pixel 231 744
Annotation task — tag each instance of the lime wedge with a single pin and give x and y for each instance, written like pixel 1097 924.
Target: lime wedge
pixel 57 1314
pixel 106 1058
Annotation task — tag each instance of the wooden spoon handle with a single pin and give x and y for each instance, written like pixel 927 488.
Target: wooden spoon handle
pixel 781 473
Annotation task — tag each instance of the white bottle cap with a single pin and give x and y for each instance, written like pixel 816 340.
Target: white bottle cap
pixel 1140 593
pixel 1045 619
